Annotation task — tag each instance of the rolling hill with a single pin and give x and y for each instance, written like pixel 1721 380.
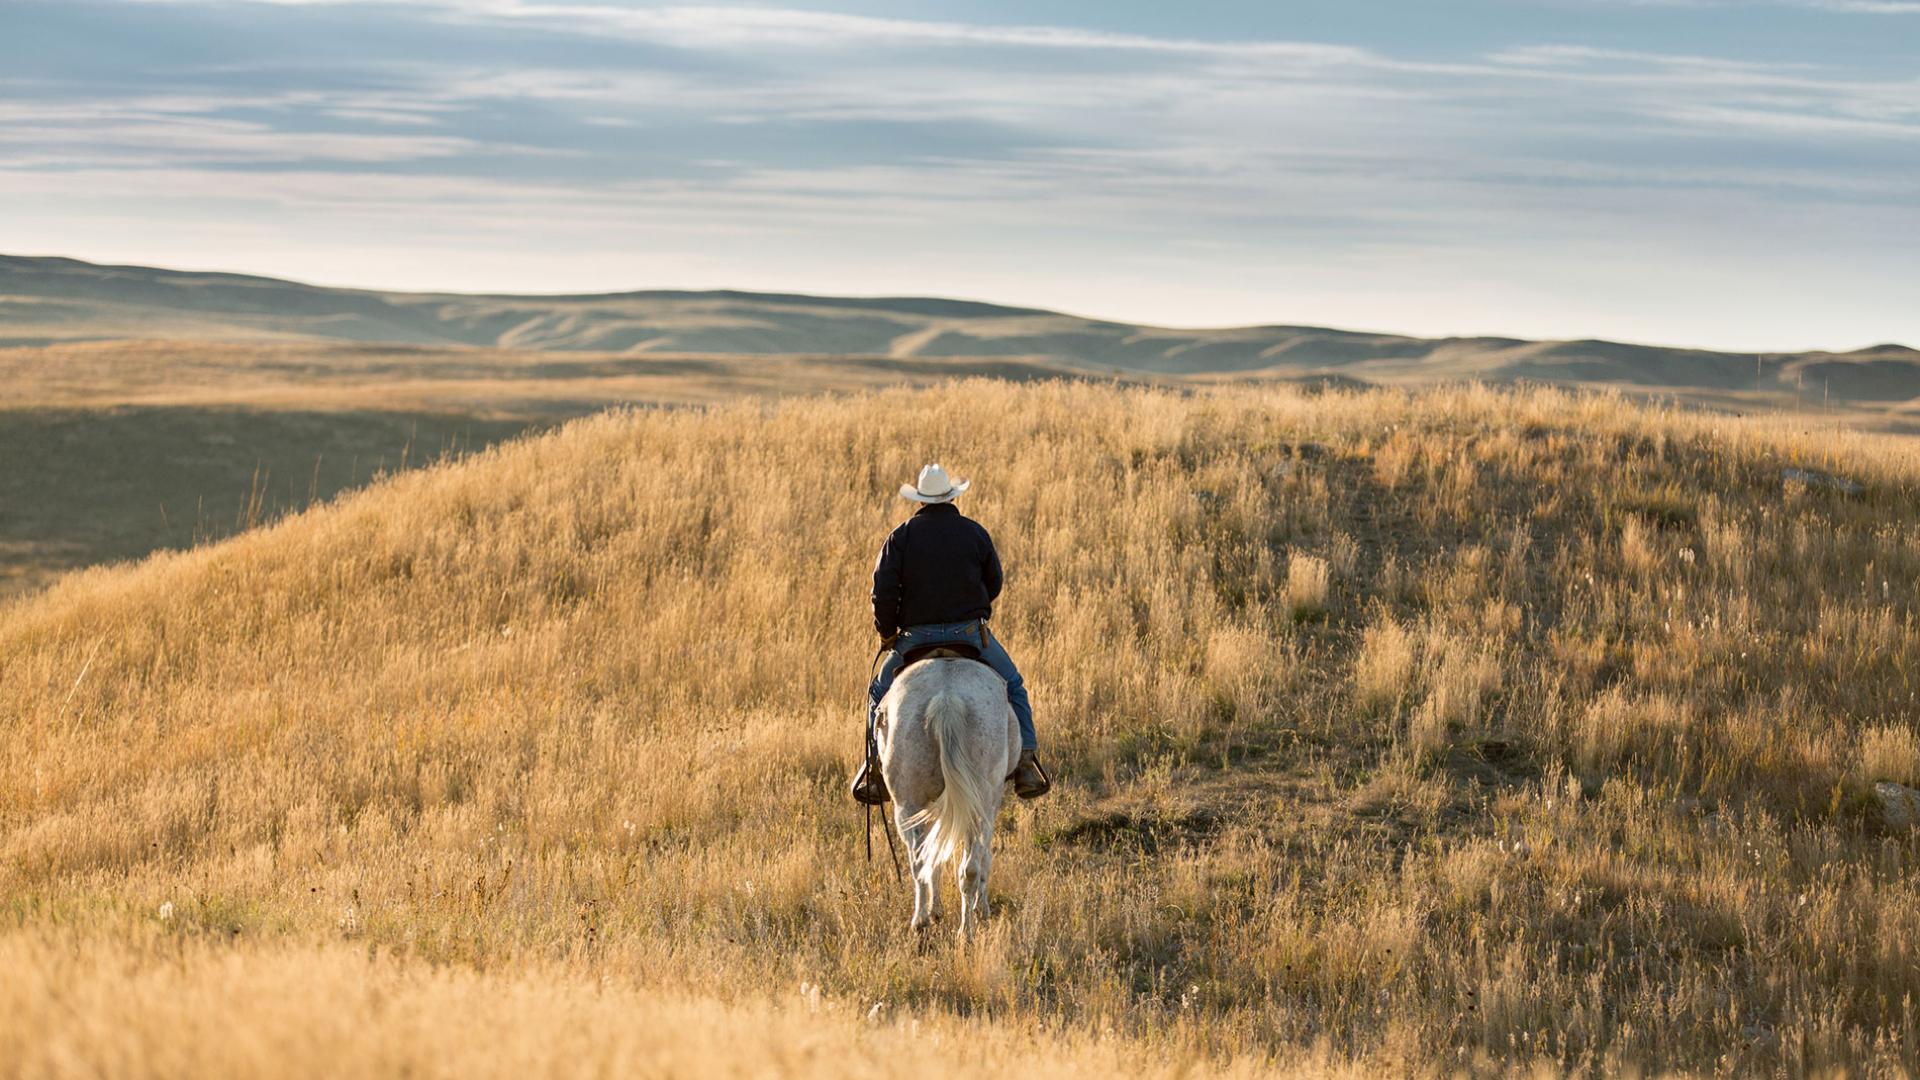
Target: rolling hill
pixel 143 408
pixel 112 449
pixel 47 300
pixel 1457 732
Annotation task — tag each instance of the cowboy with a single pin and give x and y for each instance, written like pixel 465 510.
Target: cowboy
pixel 935 582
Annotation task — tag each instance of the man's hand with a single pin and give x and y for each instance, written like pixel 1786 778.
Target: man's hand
pixel 887 640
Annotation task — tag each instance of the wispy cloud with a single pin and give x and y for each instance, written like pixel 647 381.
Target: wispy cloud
pixel 1846 7
pixel 751 137
pixel 1868 7
pixel 1792 123
pixel 761 27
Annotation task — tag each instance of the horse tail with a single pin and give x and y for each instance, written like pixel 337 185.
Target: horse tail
pixel 959 813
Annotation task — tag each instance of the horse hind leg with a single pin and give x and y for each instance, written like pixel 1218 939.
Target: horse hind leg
pixel 984 861
pixel 976 863
pixel 926 881
pixel 926 899
pixel 969 893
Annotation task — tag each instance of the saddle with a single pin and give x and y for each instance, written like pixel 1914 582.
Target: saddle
pixel 944 650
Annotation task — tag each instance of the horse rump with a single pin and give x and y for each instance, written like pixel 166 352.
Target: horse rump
pixel 954 819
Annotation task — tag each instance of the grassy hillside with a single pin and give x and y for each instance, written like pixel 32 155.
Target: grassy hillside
pixel 1392 731
pixel 110 450
pixel 46 301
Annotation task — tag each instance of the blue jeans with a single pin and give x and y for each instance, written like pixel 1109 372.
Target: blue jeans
pixel 991 651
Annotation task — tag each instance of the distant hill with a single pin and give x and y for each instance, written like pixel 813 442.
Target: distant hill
pixel 52 300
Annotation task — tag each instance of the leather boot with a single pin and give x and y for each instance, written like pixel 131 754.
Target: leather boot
pixel 868 786
pixel 1030 781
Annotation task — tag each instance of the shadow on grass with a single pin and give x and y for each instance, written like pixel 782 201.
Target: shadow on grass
pixel 86 486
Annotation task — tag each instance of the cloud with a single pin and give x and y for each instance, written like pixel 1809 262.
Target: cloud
pixel 789 90
pixel 1549 56
pixel 761 27
pixel 1867 7
pixel 780 134
pixel 1793 124
pixel 1845 7
pixel 203 140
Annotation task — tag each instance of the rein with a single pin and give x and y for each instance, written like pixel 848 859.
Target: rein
pixel 873 759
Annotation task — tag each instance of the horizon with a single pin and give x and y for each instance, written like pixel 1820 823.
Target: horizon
pixel 1711 175
pixel 1012 306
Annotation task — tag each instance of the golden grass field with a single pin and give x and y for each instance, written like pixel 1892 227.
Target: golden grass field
pixel 112 449
pixel 1394 733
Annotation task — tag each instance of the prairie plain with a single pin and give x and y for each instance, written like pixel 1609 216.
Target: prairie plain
pixel 148 409
pixel 112 449
pixel 1459 730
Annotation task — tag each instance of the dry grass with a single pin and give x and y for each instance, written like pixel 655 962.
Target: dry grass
pixel 566 725
pixel 1384 666
pixel 498 384
pixel 181 1008
pixel 114 449
pixel 1307 579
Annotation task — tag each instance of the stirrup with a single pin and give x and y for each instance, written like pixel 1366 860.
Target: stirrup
pixel 1046 781
pixel 869 788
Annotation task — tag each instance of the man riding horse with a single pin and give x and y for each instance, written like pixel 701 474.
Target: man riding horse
pixel 934 584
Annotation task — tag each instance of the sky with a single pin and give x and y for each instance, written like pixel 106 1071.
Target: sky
pixel 1740 174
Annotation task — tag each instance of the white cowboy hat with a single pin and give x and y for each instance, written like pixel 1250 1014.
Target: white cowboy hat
pixel 933 487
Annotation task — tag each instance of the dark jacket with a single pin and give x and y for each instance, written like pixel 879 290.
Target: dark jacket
pixel 939 566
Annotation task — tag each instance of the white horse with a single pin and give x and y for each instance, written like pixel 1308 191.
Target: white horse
pixel 948 741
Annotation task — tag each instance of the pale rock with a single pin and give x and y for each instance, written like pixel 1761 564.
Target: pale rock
pixel 1816 478
pixel 1899 804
